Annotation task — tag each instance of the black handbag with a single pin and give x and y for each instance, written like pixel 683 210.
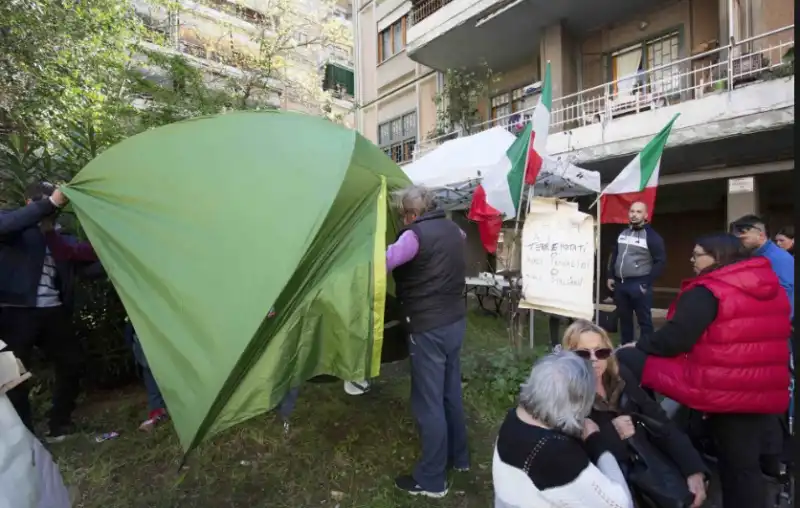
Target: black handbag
pixel 652 475
pixel 608 321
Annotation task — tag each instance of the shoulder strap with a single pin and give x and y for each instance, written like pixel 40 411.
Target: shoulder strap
pixel 653 426
pixel 534 452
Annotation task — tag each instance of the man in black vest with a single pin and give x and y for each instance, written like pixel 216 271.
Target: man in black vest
pixel 429 264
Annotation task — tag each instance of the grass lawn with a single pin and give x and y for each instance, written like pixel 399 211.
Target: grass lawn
pixel 341 451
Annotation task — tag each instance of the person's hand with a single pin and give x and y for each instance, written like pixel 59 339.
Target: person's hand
pixel 624 426
pixel 610 284
pixel 59 199
pixel 697 486
pixel 589 428
pixel 643 288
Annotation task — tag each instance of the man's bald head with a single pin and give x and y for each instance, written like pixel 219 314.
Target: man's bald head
pixel 637 213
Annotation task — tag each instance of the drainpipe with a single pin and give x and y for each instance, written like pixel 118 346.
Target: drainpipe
pixel 357 54
pixel 731 21
pixel 731 42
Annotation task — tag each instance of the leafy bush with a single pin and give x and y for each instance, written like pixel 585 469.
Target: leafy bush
pixel 499 373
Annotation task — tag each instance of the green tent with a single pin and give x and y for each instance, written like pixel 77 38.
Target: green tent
pixel 205 225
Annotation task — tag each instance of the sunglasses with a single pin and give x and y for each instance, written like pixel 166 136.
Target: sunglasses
pixel 599 354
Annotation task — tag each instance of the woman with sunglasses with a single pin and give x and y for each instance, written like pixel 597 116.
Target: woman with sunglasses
pixel 723 352
pixel 618 393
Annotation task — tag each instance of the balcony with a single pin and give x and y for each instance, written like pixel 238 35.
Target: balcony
pixel 449 34
pixel 726 92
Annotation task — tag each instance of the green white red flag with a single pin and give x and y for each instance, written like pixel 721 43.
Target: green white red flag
pixel 638 181
pixel 498 196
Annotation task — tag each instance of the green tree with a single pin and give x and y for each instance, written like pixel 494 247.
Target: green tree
pixel 457 103
pixel 62 62
pixel 285 42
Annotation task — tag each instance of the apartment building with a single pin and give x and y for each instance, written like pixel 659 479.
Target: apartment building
pixel 620 70
pixel 216 36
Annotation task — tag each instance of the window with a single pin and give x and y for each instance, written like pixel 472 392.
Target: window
pixel 663 51
pixel 392 40
pixel 339 80
pixel 629 66
pixel 398 137
pixel 505 105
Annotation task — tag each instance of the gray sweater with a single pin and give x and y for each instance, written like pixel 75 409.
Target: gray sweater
pixel 639 254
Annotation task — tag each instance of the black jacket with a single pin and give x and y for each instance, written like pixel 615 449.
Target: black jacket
pixel 430 287
pixel 22 252
pixel 672 442
pixel 695 310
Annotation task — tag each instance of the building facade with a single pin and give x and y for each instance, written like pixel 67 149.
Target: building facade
pixel 217 36
pixel 620 70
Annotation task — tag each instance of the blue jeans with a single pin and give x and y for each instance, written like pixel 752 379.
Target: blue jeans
pixel 437 404
pixel 632 297
pixel 287 405
pixel 154 398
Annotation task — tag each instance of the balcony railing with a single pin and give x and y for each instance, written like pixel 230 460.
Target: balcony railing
pixel 716 71
pixel 424 8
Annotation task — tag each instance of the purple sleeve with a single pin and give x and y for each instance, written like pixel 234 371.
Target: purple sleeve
pixel 67 248
pixel 402 251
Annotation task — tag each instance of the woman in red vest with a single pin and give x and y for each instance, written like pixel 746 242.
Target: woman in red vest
pixel 723 351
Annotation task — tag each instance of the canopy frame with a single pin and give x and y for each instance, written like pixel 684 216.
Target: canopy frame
pixel 457 195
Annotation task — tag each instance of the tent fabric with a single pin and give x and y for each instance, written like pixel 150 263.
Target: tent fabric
pixel 456 167
pixel 462 159
pixel 205 225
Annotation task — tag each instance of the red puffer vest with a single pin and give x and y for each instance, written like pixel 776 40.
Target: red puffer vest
pixel 741 362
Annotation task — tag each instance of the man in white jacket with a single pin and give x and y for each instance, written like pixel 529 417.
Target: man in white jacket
pixel 28 476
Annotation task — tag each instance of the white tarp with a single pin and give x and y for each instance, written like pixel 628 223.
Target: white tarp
pixel 558 254
pixel 457 166
pixel 462 160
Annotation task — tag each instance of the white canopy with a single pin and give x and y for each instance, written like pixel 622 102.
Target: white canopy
pixel 461 160
pixel 456 167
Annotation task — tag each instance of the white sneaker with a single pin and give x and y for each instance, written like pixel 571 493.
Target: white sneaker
pixel 356 388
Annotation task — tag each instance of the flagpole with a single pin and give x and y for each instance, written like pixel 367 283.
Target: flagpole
pixel 522 194
pixel 596 202
pixel 519 204
pixel 599 263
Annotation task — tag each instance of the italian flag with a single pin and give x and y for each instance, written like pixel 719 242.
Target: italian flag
pixel 637 182
pixel 498 196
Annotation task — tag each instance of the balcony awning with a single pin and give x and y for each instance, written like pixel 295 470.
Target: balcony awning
pixel 456 167
pixel 336 74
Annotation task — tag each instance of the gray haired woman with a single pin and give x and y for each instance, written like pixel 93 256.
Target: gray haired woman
pixel 548 453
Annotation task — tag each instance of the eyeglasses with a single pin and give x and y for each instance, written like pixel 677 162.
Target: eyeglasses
pixel 696 255
pixel 599 354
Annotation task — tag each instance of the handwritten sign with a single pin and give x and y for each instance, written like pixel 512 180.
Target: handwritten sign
pixel 558 248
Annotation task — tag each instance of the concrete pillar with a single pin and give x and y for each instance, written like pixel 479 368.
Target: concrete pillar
pixel 558 46
pixel 742 198
pixel 758 22
pixel 724 35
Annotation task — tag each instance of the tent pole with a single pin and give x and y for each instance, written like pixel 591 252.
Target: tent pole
pixel 531 315
pixel 530 328
pixel 599 267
